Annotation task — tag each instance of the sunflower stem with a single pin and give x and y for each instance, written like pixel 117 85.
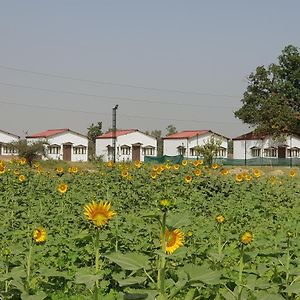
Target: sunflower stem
pixel 220 241
pixel 28 265
pixel 97 258
pixel 162 261
pixel 241 268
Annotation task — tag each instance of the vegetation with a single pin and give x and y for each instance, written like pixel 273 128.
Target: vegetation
pixel 271 102
pixel 137 231
pixel 93 132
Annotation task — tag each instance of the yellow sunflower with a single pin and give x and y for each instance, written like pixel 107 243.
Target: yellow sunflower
pixel 293 173
pixel 22 178
pixel 220 219
pixel 196 163
pixel 165 202
pixel 176 167
pixel 2 169
pixel 189 233
pixel 246 238
pixel 188 178
pixel 124 173
pixel 22 161
pixel 99 213
pixel 16 172
pixel 197 172
pixel 174 240
pixel 74 170
pixel 224 172
pixel 215 166
pixel 59 170
pixel 40 235
pixel 248 177
pixel 184 162
pixel 256 173
pixel 62 188
pixel 155 168
pixel 239 177
pixel 110 164
pixel 153 175
pixel 138 164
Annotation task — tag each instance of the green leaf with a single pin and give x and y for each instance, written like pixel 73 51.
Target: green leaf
pixel 190 295
pixel 202 273
pixel 132 281
pixel 84 276
pixel 263 295
pixel 38 296
pixel 129 261
pixel 178 220
pixel 294 288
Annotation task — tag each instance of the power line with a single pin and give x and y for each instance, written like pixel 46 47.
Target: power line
pixel 117 84
pixel 108 97
pixel 108 113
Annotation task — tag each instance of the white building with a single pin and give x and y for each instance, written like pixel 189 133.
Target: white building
pixel 251 145
pixel 131 145
pixel 185 143
pixel 5 139
pixel 63 144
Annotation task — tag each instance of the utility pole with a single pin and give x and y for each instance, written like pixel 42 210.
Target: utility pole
pixel 114 130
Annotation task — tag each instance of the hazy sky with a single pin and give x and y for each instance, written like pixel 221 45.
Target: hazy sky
pixel 164 62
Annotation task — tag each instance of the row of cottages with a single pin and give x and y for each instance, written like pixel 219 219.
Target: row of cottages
pixel 252 145
pixel 62 144
pixel 131 145
pixel 5 139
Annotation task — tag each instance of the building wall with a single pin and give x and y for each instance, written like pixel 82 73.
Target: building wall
pixel 68 137
pixel 171 145
pixel 242 148
pixel 127 139
pixel 6 139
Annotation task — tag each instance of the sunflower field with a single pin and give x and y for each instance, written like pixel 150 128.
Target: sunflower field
pixel 143 231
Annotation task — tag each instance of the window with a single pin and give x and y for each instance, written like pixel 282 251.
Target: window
pixel 9 150
pixel 54 149
pixel 293 152
pixel 270 152
pixel 221 152
pixel 181 150
pixel 193 152
pixel 148 151
pixel 110 150
pixel 79 150
pixel 255 152
pixel 125 150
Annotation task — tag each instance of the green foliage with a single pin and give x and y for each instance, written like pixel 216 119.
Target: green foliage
pixel 93 132
pixel 271 102
pixel 209 150
pixel 157 135
pixel 30 151
pixel 171 129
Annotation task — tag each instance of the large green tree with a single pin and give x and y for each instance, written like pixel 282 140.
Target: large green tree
pixel 93 131
pixel 271 102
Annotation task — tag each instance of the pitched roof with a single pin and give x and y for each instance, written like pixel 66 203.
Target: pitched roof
pixel 250 136
pixel 48 133
pixel 186 134
pixel 9 133
pixel 110 134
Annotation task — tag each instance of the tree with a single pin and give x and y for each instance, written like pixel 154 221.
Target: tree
pixel 30 151
pixel 171 129
pixel 209 150
pixel 93 132
pixel 157 134
pixel 271 102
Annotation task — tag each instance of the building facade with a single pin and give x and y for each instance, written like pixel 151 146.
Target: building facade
pixel 131 145
pixel 5 139
pixel 186 142
pixel 62 144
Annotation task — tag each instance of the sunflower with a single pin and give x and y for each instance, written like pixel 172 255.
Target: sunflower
pixel 155 168
pixel 184 162
pixel 248 177
pixel 138 164
pixel 62 188
pixel 224 172
pixel 176 167
pixel 110 164
pixel 59 170
pixel 22 161
pixel 220 219
pixel 153 175
pixel 165 202
pixel 16 172
pixel 189 233
pixel 124 173
pixel 174 240
pixel 2 169
pixel 246 238
pixel 196 163
pixel 40 235
pixel 215 166
pixel 74 170
pixel 22 178
pixel 188 178
pixel 256 173
pixel 292 173
pixel 99 213
pixel 239 177
pixel 197 172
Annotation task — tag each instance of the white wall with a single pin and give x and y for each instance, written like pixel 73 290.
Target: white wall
pixel 239 146
pixel 66 137
pixel 171 145
pixel 126 139
pixel 6 139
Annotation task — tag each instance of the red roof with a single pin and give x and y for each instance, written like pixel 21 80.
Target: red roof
pixel 118 133
pixel 251 136
pixel 186 134
pixel 47 133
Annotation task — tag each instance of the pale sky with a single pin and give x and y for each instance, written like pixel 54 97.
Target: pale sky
pixel 163 62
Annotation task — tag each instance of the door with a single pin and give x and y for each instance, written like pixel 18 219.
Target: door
pixel 67 152
pixel 136 153
pixel 281 152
